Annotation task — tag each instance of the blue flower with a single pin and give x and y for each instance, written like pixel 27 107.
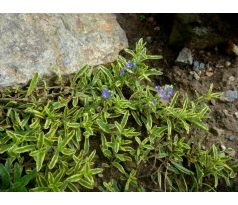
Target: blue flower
pixel 169 89
pixel 165 92
pixel 130 65
pixel 106 93
pixel 157 88
pixel 162 94
pixel 122 72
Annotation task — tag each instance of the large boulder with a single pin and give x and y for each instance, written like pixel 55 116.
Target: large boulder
pixel 32 43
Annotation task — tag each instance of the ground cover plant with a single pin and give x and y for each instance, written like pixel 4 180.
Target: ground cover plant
pixel 109 128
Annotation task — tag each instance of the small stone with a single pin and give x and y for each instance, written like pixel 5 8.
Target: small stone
pixel 219 66
pixel 157 28
pixel 100 175
pixel 149 39
pixel 209 72
pixel 229 96
pixel 226 113
pixel 230 80
pixel 198 67
pixel 234 49
pixel 236 115
pixel 213 102
pixel 196 76
pixel 227 63
pixel 203 147
pixel 223 147
pixel 185 56
pixel 201 66
pixel 232 138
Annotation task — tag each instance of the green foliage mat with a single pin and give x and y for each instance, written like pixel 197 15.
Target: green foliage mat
pixel 107 129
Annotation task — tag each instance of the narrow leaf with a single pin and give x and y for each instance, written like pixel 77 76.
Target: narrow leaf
pixel 32 85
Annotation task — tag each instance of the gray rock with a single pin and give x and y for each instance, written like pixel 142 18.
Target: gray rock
pixel 232 138
pixel 185 56
pixel 39 42
pixel 229 96
pixel 197 66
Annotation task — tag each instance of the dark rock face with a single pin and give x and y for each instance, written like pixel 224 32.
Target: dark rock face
pixel 197 31
pixel 32 43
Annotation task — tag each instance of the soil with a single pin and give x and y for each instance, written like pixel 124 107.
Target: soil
pixel 155 30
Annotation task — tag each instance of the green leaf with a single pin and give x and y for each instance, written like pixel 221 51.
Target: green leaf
pixel 107 153
pixel 169 124
pixel 75 177
pixel 75 101
pixel 159 178
pixel 68 138
pixel 40 189
pixel 47 123
pixel 182 168
pixel 39 157
pixel 96 171
pixel 115 146
pixel 12 136
pixel 136 117
pixel 73 125
pixel 78 134
pixel 5 177
pixel 67 151
pixel 149 122
pixel 32 85
pixel 72 187
pixel 119 167
pixel 27 178
pixel 123 157
pixel 86 144
pixel 17 172
pixel 40 140
pixel 124 119
pixel 199 124
pixel 54 160
pixel 26 148
pixel 174 99
pixel 103 125
pixel 85 183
